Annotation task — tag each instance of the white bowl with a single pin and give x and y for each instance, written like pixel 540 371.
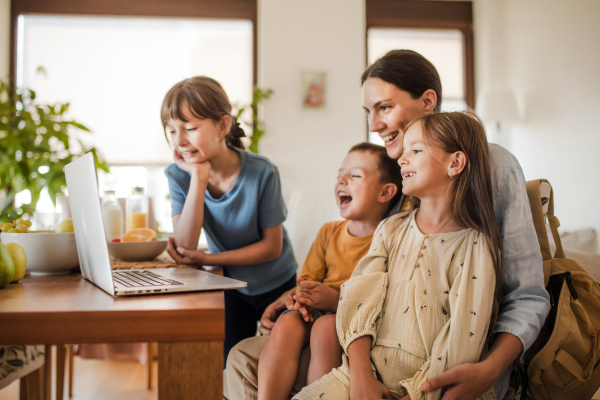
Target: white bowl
pixel 137 251
pixel 48 253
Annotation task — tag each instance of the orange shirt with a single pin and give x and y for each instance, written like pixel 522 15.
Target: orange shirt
pixel 334 254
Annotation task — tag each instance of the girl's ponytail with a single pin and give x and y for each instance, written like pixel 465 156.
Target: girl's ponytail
pixel 235 135
pixel 205 98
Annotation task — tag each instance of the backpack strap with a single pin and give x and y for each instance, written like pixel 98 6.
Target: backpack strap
pixel 554 224
pixel 537 212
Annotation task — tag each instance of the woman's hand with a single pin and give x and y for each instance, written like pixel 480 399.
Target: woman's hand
pixel 316 296
pixel 201 170
pixel 365 387
pixel 184 256
pixel 469 381
pixel 267 321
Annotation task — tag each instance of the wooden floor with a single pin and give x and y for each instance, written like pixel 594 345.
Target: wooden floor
pixel 108 380
pixel 102 380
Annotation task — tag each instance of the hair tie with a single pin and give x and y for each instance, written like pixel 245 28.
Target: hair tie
pixel 236 130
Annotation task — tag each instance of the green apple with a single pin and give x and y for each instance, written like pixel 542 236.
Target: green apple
pixel 17 253
pixel 7 267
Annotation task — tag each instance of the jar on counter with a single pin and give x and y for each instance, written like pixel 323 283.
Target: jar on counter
pixel 112 214
pixel 137 210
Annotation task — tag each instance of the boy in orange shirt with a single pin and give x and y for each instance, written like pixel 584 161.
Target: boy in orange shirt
pixel 368 185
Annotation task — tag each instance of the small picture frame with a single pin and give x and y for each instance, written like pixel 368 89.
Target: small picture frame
pixel 313 90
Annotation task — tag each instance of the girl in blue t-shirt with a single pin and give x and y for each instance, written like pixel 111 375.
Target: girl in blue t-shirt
pixel 234 195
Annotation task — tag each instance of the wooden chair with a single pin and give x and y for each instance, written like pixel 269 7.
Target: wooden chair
pixel 32 365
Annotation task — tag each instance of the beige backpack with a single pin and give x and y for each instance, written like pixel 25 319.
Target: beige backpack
pixel 563 362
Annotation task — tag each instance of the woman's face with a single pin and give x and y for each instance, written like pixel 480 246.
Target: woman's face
pixel 389 110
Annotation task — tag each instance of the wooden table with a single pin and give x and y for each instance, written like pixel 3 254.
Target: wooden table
pixel 63 309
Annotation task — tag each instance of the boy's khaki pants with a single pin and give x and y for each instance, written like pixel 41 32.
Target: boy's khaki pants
pixel 240 377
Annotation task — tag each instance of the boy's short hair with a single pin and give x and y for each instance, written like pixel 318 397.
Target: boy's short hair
pixel 388 168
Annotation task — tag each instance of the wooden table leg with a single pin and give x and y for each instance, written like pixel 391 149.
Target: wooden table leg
pixel 190 371
pixel 61 358
pixel 48 373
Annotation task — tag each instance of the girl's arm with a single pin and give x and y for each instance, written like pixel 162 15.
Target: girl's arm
pixel 359 310
pixel 266 249
pixel 187 225
pixel 364 385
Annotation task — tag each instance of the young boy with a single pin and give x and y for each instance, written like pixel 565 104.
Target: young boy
pixel 368 184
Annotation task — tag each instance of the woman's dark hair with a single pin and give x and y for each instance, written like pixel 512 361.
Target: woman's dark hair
pixel 408 71
pixel 205 98
pixel 471 196
pixel 389 170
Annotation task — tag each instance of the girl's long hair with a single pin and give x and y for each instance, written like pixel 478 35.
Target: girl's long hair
pixel 471 195
pixel 205 98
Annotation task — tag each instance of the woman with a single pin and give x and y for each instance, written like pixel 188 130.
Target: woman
pixel 401 86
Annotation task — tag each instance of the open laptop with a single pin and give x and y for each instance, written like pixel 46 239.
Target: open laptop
pixel 94 260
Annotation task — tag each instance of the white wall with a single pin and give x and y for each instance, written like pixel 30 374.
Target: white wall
pixel 4 38
pixel 546 51
pixel 308 145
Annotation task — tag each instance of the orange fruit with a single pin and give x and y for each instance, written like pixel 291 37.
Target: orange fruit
pixel 139 235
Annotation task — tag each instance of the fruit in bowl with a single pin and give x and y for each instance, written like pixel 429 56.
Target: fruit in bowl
pixel 137 245
pixel 137 251
pixel 65 226
pixel 19 225
pixel 47 253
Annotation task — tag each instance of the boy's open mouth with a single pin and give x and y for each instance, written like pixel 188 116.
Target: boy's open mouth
pixel 345 199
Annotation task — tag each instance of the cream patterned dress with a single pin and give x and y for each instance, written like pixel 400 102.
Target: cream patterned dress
pixel 426 301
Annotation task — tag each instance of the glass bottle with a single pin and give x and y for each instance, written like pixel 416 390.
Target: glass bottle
pixel 112 214
pixel 136 210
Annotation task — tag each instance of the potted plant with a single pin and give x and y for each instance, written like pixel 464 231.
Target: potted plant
pixel 256 125
pixel 36 142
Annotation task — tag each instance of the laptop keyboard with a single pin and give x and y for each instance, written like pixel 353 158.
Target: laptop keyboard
pixel 142 279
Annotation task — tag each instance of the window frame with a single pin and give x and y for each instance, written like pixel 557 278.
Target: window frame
pixel 210 9
pixel 430 15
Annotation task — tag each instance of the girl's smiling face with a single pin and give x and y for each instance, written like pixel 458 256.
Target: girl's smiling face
pixel 197 140
pixel 425 168
pixel 390 109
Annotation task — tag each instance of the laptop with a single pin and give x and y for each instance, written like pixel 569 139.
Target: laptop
pixel 92 248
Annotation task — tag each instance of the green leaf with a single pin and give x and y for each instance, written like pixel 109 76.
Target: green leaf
pixel 27 130
pixel 79 126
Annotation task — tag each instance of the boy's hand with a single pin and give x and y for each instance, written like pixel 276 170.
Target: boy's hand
pixel 307 312
pixel 316 295
pixel 267 321
pixel 184 256
pixel 201 170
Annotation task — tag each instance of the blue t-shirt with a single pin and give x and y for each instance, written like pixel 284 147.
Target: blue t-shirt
pixel 237 219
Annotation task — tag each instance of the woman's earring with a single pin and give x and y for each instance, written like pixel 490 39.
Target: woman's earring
pixel 451 177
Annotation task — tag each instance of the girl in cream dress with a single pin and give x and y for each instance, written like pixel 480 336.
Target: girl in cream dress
pixel 424 297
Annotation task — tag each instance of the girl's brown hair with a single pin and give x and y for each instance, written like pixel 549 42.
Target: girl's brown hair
pixel 408 71
pixel 205 98
pixel 471 196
